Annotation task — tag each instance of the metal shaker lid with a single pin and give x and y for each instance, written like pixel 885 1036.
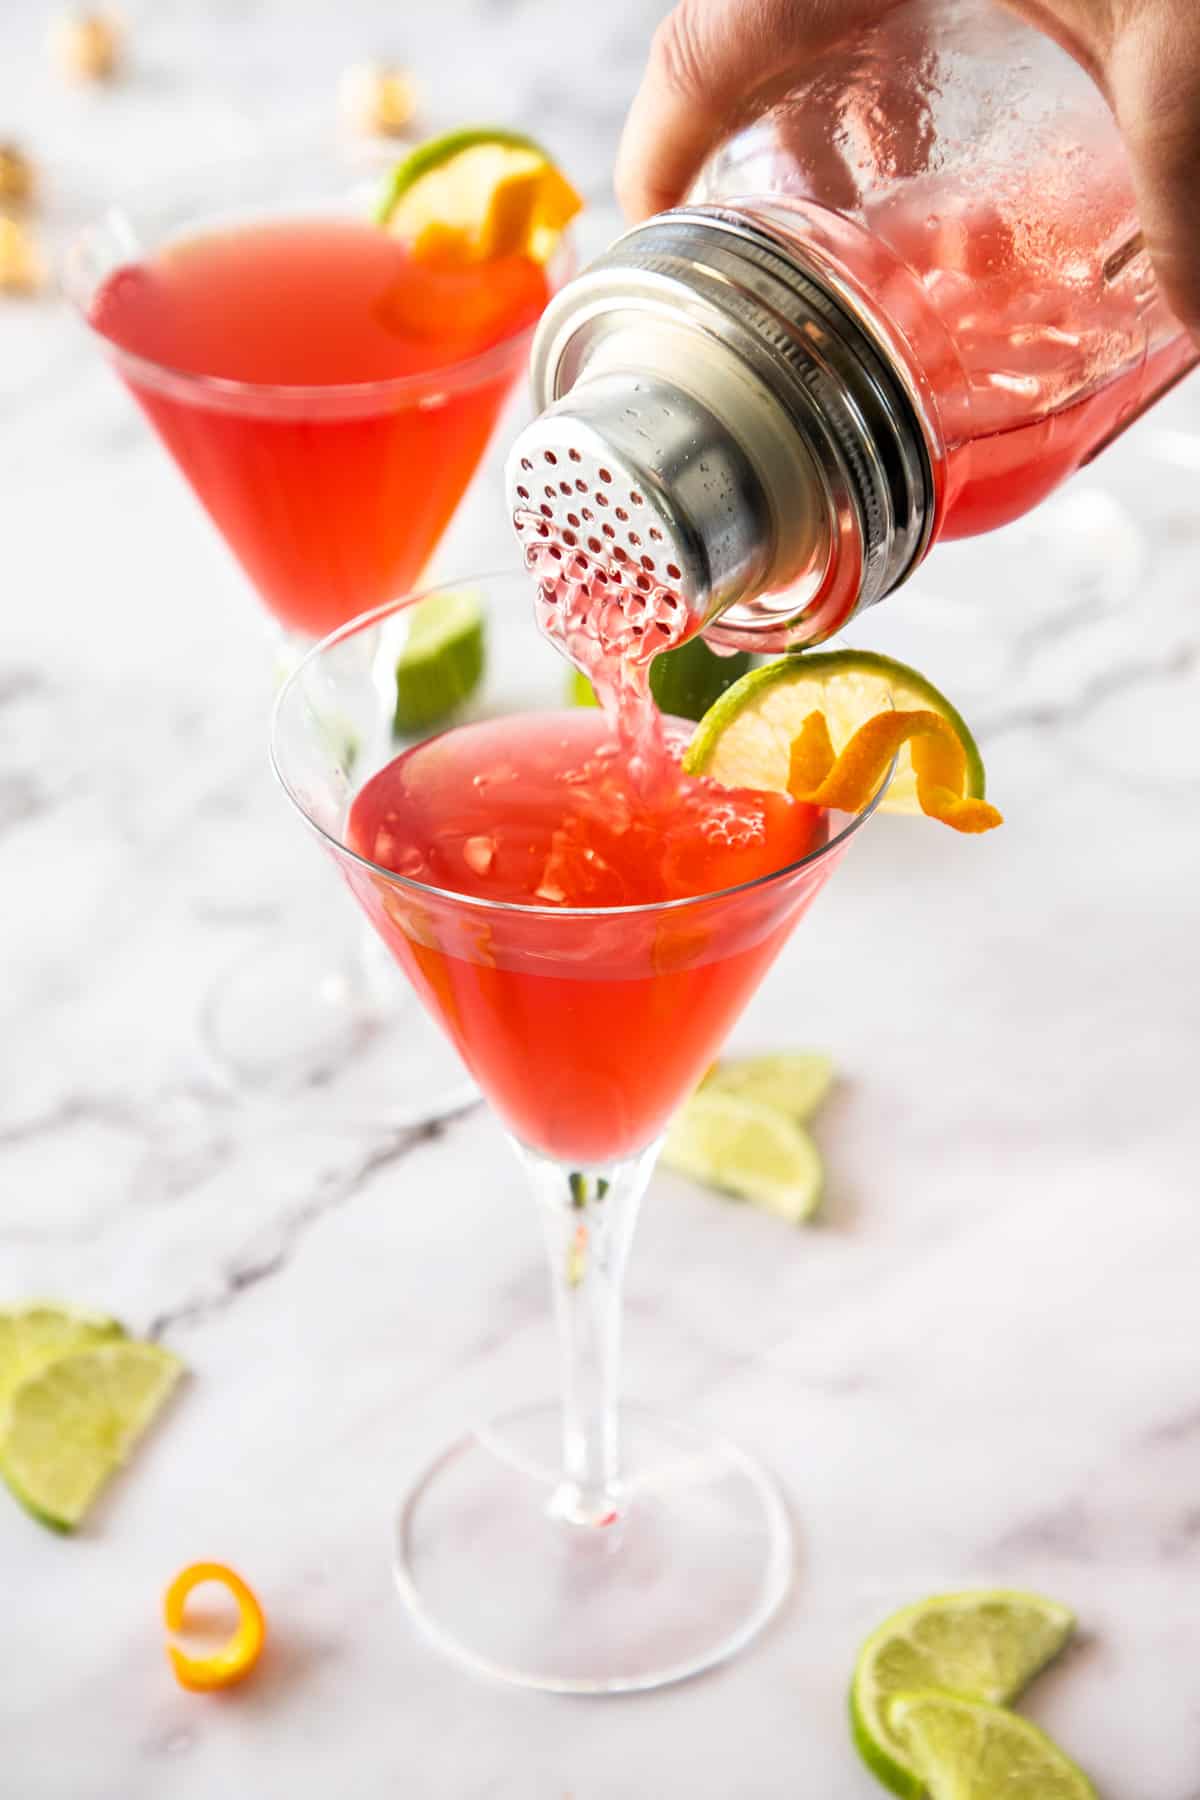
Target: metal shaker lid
pixel 779 469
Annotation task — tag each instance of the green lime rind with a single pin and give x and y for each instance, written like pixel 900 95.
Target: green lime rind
pixel 688 680
pixel 970 1750
pixel 442 662
pixel 33 1336
pixel 751 1151
pixel 70 1426
pixel 744 739
pixel 436 152
pixel 795 1082
pixel 984 1645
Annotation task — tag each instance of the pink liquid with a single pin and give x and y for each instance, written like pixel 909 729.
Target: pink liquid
pixel 585 1032
pixel 1024 372
pixel 333 498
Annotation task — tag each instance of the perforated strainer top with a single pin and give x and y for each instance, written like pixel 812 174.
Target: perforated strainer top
pixel 720 444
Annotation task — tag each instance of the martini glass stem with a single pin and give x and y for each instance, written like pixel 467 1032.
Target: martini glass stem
pixel 588 1216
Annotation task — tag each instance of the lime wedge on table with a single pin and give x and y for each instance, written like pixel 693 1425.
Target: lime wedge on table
pixel 482 191
pixel 793 1082
pixel 70 1426
pixel 746 739
pixel 979 1646
pixel 32 1336
pixel 441 664
pixel 749 1150
pixel 967 1750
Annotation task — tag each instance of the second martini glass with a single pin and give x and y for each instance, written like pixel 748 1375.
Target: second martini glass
pixel 328 400
pixel 563 1547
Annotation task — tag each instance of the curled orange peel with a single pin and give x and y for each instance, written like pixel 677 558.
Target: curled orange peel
pixel 848 779
pixel 203 1674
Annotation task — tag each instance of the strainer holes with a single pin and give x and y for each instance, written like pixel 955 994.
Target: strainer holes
pixel 581 487
pixel 523 493
pixel 586 512
pixel 573 519
pixel 601 499
pixel 619 553
pixel 594 545
pixel 574 456
pixel 672 571
pixel 655 535
pixel 549 456
pixel 636 497
pixel 568 537
pixel 549 491
pixel 648 563
pixel 604 474
pixel 622 515
pixel 643 585
pixel 635 540
pixel 608 531
pixel 564 487
pixel 526 464
pixel 547 512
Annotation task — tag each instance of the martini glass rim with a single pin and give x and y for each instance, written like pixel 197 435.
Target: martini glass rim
pixel 514 908
pixel 416 385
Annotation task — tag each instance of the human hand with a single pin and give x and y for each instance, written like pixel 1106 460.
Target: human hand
pixel 716 64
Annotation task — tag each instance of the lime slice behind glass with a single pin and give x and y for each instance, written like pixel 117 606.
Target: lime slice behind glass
pixel 442 662
pixel 968 1750
pixel 71 1425
pixel 985 1645
pixel 685 681
pixel 744 1148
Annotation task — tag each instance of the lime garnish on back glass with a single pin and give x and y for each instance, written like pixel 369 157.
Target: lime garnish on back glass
pixel 985 1645
pixel 825 727
pixel 477 194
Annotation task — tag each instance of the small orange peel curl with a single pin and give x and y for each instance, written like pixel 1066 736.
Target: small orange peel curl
pixel 235 1659
pixel 848 779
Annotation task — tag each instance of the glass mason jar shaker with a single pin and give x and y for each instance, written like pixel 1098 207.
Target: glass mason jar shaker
pixel 904 305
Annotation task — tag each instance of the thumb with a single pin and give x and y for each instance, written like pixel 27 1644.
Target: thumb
pixel 1154 80
pixel 713 64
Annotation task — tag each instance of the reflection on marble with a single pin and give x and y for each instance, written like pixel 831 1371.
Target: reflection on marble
pixel 981 1365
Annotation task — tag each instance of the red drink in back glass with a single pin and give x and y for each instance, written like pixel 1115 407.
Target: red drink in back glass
pixel 327 395
pixel 585 1032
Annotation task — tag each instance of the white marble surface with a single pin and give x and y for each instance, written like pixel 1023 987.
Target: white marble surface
pixel 983 1364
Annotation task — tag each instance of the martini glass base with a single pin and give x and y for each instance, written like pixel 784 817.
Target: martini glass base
pixel 695 1566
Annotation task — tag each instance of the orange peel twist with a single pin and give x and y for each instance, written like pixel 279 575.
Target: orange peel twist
pixel 224 1667
pixel 848 779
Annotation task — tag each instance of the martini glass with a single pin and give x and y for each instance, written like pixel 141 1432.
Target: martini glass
pixel 332 495
pixel 563 1546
